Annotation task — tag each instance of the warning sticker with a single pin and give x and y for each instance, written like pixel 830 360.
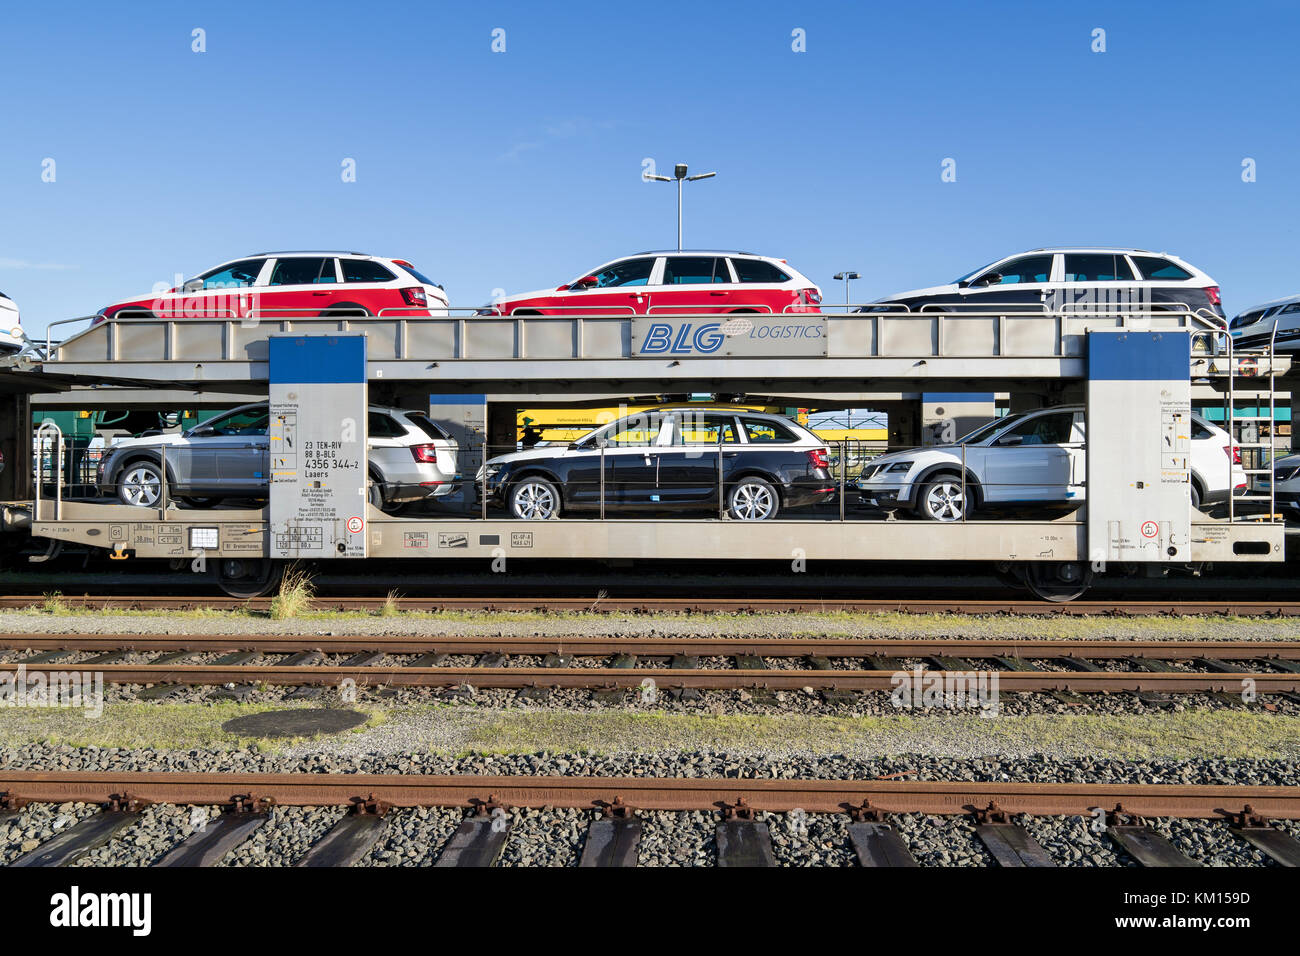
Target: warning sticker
pixel 1150 529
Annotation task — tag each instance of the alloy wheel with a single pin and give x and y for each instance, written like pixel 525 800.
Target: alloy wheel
pixel 753 502
pixel 534 500
pixel 141 486
pixel 944 501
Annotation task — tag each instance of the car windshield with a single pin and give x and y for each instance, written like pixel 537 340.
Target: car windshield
pixel 985 432
pixel 626 272
pixel 975 272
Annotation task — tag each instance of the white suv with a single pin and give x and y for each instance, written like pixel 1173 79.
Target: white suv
pixel 12 339
pixel 1034 458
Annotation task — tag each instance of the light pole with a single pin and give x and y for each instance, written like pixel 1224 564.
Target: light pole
pixel 679 175
pixel 847 277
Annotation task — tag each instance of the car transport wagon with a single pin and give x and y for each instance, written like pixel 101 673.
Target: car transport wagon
pixel 691 470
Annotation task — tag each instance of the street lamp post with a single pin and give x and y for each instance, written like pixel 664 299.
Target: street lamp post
pixel 679 176
pixel 847 277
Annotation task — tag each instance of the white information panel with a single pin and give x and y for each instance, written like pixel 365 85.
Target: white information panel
pixel 317 436
pixel 1139 446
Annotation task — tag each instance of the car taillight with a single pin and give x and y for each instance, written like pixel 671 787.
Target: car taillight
pixel 1233 452
pixel 428 454
pixel 415 296
pixel 820 458
pixel 1212 293
pixel 811 296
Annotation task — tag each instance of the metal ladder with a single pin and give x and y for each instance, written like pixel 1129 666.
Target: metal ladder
pixel 1260 366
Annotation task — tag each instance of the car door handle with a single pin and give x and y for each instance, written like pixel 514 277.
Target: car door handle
pixel 730 454
pixel 322 293
pixel 717 293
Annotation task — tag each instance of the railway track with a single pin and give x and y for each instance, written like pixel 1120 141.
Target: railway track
pixel 680 605
pixel 672 664
pixel 742 835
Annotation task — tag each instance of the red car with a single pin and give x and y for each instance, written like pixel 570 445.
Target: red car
pixel 668 283
pixel 294 285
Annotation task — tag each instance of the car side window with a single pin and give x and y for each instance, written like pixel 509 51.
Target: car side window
pixel 380 425
pixel 695 270
pixel 1044 429
pixel 1154 267
pixel 760 431
pixel 756 270
pixel 627 272
pixel 635 430
pixel 250 422
pixel 302 271
pixel 363 270
pixel 706 430
pixel 237 275
pixel 1096 267
pixel 1023 270
pixel 1200 432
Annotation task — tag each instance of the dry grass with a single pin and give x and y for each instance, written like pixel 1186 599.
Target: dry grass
pixel 296 594
pixel 390 607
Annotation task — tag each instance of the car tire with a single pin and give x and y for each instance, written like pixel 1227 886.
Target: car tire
pixel 1195 495
pixel 753 499
pixel 139 484
pixel 534 499
pixel 197 502
pixel 941 498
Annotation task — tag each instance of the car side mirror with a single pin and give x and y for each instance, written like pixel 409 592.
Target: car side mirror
pixel 1011 440
pixel 194 285
pixel 586 282
pixel 984 281
pixel 201 431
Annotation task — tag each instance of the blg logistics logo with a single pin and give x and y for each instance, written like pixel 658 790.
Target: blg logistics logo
pixel 742 334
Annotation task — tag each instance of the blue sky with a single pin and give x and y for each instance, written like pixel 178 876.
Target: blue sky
pixel 521 170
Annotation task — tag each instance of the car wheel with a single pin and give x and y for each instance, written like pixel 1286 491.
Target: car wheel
pixel 194 502
pixel 375 492
pixel 140 484
pixel 753 499
pixel 535 499
pixel 942 499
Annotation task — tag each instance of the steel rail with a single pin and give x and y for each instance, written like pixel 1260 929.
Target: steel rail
pixel 688 605
pixel 719 646
pixel 1186 682
pixel 653 793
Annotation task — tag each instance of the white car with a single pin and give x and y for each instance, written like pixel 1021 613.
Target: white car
pixel 1079 277
pixel 1033 458
pixel 12 338
pixel 1254 328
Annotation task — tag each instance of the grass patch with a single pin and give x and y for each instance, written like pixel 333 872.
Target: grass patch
pixel 53 603
pixel 458 730
pixel 390 607
pixel 295 596
pixel 161 726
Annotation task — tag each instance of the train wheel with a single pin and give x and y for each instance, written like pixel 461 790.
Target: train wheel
pixel 246 578
pixel 1058 581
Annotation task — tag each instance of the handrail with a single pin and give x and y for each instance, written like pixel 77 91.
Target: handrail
pixel 48 429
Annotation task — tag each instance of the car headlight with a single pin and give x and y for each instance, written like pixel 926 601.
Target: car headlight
pixel 899 467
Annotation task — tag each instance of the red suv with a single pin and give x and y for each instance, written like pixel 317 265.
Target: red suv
pixel 668 283
pixel 274 285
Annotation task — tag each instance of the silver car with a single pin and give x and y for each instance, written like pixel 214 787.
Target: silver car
pixel 228 456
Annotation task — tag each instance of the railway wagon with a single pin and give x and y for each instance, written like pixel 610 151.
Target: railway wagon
pixel 1134 372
